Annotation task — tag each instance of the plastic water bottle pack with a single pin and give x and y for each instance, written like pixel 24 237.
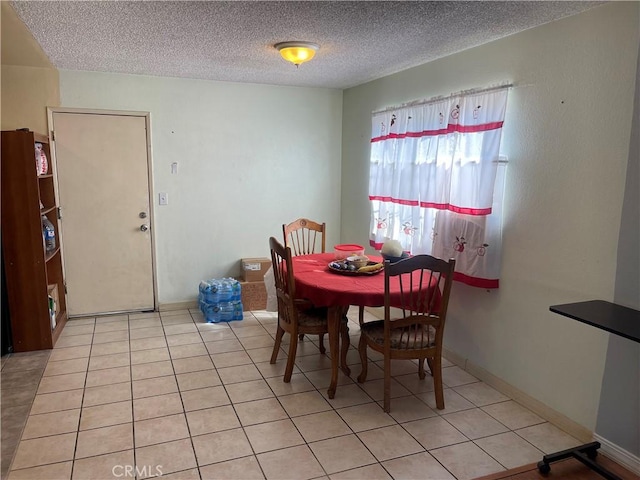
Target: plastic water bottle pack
pixel 220 300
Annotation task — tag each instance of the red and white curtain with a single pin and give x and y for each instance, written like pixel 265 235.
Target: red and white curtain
pixel 432 183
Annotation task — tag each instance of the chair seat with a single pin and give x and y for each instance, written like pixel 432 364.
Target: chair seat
pixel 400 339
pixel 314 317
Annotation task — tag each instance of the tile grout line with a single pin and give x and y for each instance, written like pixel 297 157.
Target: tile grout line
pixel 333 408
pixel 84 389
pixel 133 419
pixel 186 420
pixel 264 379
pixel 282 406
pixel 234 408
pixel 509 431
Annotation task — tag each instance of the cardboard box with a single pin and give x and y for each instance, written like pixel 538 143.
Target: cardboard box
pixel 254 295
pixel 253 269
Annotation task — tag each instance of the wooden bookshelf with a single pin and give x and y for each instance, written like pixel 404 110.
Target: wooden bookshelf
pixel 29 268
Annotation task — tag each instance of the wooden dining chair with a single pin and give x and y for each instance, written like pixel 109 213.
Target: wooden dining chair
pixel 305 236
pixel 297 316
pixel 417 326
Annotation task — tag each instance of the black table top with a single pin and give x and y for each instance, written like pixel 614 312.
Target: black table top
pixel 608 316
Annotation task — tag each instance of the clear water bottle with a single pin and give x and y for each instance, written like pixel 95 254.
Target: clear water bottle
pixel 38 151
pixel 226 311
pixel 212 293
pixel 202 290
pixel 237 292
pixel 212 313
pixel 42 164
pixel 237 310
pixel 49 234
pixel 226 290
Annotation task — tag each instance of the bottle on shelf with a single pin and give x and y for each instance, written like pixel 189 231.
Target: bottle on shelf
pixel 49 234
pixel 42 165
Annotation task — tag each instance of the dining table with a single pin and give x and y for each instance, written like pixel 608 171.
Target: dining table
pixel 338 290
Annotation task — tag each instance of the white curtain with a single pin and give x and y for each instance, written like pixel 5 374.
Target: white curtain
pixel 433 177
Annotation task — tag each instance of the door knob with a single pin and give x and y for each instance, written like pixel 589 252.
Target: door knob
pixel 144 228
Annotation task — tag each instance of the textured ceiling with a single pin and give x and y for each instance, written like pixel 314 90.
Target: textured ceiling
pixel 233 41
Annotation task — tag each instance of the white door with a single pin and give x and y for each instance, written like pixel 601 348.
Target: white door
pixel 103 186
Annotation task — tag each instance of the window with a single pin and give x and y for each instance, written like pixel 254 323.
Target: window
pixel 433 175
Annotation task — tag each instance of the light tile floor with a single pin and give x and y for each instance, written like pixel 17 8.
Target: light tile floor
pixel 140 395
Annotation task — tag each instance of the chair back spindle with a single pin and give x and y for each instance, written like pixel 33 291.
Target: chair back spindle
pixel 304 236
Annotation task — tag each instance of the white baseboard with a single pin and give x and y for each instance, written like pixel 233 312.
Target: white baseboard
pixel 453 357
pixel 609 449
pixel 552 416
pixel 618 454
pixel 165 307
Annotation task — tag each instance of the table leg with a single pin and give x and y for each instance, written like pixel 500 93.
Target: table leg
pixel 333 325
pixel 344 343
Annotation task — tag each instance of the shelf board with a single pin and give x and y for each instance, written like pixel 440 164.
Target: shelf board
pixel 44 211
pixel 61 321
pixel 49 256
pixel 48 175
pixel 38 137
pixel 611 317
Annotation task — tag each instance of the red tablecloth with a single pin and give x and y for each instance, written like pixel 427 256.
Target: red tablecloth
pixel 324 288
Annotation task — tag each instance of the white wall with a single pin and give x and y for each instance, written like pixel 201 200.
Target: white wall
pixel 566 135
pixel 620 398
pixel 251 157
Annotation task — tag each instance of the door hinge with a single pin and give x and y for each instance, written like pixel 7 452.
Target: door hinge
pixel 59 213
pixel 53 136
pixel 65 288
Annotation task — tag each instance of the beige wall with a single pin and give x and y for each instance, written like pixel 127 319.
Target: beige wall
pixel 566 135
pixel 250 158
pixel 29 81
pixel 26 94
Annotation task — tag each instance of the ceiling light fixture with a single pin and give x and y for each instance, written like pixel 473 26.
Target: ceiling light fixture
pixel 297 52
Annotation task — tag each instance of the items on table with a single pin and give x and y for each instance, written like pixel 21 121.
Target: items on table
pixel 345 250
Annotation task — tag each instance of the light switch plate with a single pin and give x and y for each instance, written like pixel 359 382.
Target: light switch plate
pixel 163 198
